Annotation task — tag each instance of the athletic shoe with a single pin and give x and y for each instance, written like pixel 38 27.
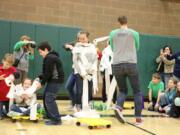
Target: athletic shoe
pixel 50 122
pixel 13 113
pixel 119 115
pixel 139 121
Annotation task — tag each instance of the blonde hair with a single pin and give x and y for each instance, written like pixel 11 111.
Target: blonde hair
pixel 9 58
pixel 174 80
pixel 25 37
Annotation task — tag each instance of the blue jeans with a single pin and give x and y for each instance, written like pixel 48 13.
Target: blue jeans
pixel 16 108
pixel 70 86
pixel 122 72
pixel 164 100
pixel 49 101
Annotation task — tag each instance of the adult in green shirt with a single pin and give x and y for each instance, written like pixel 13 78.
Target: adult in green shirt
pixel 124 43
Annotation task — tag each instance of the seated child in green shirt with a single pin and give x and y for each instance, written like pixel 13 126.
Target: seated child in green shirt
pixel 156 86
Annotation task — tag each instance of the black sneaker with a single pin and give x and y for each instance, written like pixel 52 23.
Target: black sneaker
pixel 119 115
pixel 50 122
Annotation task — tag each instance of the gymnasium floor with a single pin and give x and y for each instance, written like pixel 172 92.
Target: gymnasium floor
pixel 153 124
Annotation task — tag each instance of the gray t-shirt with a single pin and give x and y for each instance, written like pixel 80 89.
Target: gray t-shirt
pixel 123 42
pixel 24 61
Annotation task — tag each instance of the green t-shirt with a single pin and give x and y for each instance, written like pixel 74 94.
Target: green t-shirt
pixel 156 88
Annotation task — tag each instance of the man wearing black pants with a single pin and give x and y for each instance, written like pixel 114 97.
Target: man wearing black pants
pixel 52 75
pixel 124 43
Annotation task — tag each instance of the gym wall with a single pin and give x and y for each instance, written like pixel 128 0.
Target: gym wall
pixel 99 17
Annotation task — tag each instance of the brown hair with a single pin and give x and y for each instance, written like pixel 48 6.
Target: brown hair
pixel 25 37
pixel 177 91
pixel 157 76
pixel 9 58
pixel 122 20
pixel 82 32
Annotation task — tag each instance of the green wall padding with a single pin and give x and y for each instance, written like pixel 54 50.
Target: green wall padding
pixel 4 38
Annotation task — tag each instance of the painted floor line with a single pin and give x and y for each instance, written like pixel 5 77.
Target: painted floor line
pixel 145 130
pixel 20 128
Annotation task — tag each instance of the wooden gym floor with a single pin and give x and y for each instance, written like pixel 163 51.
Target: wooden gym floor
pixel 154 124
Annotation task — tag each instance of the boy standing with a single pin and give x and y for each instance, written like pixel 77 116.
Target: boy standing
pixel 52 76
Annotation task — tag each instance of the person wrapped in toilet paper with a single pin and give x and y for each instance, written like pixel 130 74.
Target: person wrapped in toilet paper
pixel 24 98
pixel 105 67
pixel 85 68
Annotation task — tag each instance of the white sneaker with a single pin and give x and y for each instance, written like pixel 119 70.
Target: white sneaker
pixel 12 114
pixel 67 118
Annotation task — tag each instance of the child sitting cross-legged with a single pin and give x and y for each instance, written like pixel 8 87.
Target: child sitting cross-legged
pixel 167 97
pixel 156 86
pixel 24 98
pixel 175 107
